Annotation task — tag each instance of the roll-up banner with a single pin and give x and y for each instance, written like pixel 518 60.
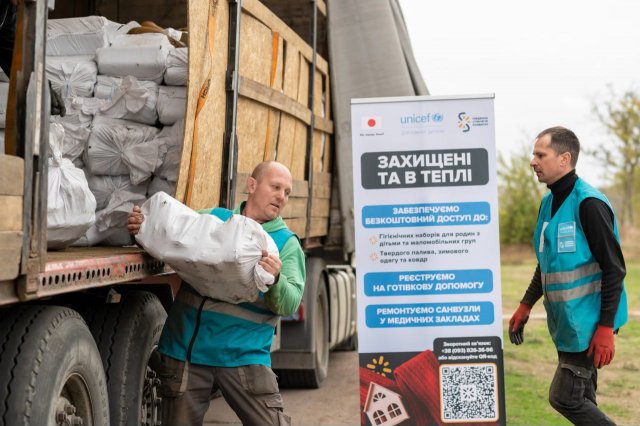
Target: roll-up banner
pixel 428 260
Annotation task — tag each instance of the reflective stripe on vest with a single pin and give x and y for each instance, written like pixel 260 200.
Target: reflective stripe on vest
pixel 247 311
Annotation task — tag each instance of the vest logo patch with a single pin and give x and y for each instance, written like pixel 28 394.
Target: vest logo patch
pixel 567 237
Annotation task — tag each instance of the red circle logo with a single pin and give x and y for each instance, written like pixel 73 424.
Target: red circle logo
pixel 371 122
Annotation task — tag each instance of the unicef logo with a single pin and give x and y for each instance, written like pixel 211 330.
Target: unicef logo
pixel 437 117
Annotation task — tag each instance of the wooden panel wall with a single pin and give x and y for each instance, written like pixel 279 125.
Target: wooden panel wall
pixel 273 116
pixel 11 199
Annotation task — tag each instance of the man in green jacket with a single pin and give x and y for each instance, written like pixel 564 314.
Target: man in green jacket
pixel 209 345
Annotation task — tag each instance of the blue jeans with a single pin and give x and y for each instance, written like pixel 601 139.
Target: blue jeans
pixel 573 390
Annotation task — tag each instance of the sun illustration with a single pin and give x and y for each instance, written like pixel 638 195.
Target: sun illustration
pixel 380 366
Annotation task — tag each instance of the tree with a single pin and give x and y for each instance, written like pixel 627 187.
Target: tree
pixel 519 195
pixel 621 118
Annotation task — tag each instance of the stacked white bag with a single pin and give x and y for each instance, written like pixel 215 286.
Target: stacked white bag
pixel 4 95
pixel 219 259
pixel 70 204
pixel 116 109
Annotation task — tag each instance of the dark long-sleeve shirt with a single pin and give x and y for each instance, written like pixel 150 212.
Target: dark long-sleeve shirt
pixel 597 223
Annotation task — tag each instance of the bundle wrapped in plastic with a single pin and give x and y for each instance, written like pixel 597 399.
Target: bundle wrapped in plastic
pixel 143 56
pixel 171 137
pixel 76 36
pixel 160 184
pixel 76 125
pixel 4 96
pixel 172 104
pixel 71 205
pixel 72 75
pixel 116 29
pixel 129 99
pixel 123 149
pixel 218 259
pixel 177 72
pixel 103 187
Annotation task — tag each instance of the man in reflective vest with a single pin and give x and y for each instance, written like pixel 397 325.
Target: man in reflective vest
pixel 209 345
pixel 580 273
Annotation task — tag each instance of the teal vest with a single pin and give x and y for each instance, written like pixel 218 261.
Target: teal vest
pixel 571 276
pixel 215 333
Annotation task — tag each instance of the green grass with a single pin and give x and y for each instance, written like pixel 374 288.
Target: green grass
pixel 529 367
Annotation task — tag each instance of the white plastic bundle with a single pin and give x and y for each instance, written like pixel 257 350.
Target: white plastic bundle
pixel 4 96
pixel 171 137
pixel 116 29
pixel 76 125
pixel 103 187
pixel 110 227
pixel 172 104
pixel 143 56
pixel 76 36
pixel 131 99
pixel 219 259
pixel 177 72
pixel 159 184
pixel 72 75
pixel 71 205
pixel 117 150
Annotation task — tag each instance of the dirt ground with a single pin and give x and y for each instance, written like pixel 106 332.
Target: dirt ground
pixel 336 403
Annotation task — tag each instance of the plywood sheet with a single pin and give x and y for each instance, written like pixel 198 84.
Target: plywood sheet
pixel 252 130
pixel 11 217
pixel 10 250
pixel 291 70
pixel 286 139
pixel 11 175
pixel 299 164
pixel 207 163
pixel 255 50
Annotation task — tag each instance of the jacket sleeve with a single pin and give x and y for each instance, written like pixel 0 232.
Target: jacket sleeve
pixel 534 292
pixel 283 298
pixel 597 222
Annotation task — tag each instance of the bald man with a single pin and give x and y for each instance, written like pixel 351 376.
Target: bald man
pixel 209 345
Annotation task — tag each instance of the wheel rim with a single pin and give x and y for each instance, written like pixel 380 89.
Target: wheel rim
pixel 150 414
pixel 74 403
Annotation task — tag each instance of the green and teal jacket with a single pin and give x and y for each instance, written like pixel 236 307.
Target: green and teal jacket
pixel 215 333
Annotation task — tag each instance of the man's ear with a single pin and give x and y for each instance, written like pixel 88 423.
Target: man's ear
pixel 251 185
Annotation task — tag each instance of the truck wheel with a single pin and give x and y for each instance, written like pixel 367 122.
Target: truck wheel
pixel 126 334
pixel 50 369
pixel 313 378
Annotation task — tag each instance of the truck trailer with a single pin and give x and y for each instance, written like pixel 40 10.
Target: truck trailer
pixel 267 80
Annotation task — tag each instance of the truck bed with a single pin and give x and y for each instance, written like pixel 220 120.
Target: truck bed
pixel 83 268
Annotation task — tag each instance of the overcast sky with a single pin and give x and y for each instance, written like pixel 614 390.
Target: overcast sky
pixel 546 61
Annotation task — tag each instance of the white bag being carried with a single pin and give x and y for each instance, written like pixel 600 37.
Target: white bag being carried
pixel 72 76
pixel 71 205
pixel 218 259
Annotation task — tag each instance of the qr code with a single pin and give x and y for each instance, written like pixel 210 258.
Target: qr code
pixel 469 392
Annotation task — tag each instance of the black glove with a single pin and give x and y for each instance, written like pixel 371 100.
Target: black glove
pixel 517 337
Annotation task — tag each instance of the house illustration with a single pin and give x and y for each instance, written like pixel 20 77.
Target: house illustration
pixel 384 406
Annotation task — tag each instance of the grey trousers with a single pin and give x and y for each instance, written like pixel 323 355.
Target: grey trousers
pixel 186 390
pixel 573 390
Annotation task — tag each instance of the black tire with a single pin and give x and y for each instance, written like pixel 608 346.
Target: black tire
pixel 126 334
pixel 50 369
pixel 313 378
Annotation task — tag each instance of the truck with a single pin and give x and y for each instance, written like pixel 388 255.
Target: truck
pixel 267 80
